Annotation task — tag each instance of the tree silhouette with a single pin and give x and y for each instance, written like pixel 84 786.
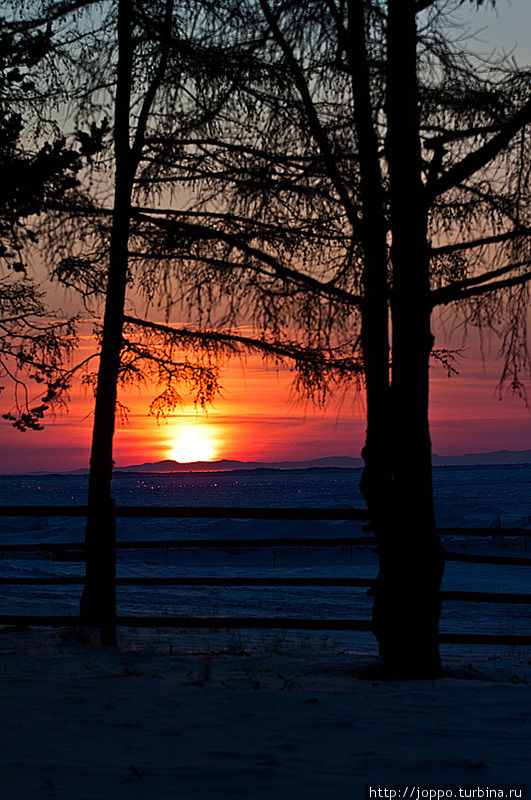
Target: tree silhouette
pixel 146 47
pixel 35 343
pixel 368 166
pixel 331 173
pixel 123 53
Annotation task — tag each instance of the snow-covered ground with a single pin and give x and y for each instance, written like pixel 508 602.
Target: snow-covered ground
pixel 275 714
pixel 258 715
pixel 464 497
pixel 326 602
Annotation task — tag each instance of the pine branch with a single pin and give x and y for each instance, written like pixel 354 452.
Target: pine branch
pixel 452 288
pixel 138 143
pixel 314 122
pixel 479 158
pixel 288 350
pixel 469 245
pixel 280 270
pixel 447 295
pixel 59 11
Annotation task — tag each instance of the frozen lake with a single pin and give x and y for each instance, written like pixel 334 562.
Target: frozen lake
pixel 465 497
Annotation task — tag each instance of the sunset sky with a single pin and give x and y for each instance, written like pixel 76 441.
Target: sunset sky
pixel 257 418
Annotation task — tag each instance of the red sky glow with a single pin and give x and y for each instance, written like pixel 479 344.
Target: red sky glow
pixel 257 419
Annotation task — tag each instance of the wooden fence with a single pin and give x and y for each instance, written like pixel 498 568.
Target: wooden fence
pixel 65 550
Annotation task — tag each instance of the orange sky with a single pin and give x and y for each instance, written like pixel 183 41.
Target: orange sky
pixel 255 419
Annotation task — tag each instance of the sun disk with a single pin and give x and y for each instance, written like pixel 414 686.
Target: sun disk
pixel 193 444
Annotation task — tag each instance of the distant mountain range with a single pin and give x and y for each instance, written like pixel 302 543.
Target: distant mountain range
pixel 478 459
pixel 332 462
pixel 499 457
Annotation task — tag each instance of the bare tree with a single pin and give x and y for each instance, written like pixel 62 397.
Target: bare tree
pixel 369 165
pixel 124 59
pixel 129 132
pixel 315 170
pixel 37 167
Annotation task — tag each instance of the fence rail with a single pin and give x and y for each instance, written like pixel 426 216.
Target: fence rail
pixel 513 598
pixel 176 544
pixel 217 512
pixel 270 623
pixel 236 512
pixel 61 549
pixel 198 512
pixel 480 558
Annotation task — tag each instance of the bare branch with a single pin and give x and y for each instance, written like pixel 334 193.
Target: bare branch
pixel 280 270
pixel 138 144
pixel 285 350
pixel 60 11
pixel 452 288
pixel 445 296
pixel 313 118
pixel 468 245
pixel 479 158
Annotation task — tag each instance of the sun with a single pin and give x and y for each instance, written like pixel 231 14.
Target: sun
pixel 193 444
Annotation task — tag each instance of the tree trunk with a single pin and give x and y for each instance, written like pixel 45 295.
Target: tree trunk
pixel 407 604
pixel 98 604
pixel 376 479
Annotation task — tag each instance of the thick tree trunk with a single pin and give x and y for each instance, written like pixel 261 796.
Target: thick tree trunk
pixel 407 606
pixel 376 479
pixel 98 604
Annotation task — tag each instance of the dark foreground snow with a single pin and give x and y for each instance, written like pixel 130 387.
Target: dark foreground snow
pixel 186 715
pixel 258 715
